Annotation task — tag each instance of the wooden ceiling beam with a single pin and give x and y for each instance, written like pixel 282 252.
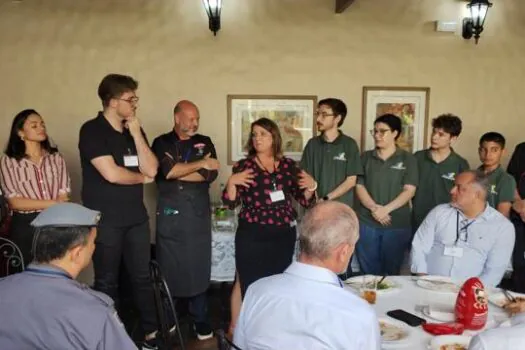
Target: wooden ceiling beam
pixel 342 5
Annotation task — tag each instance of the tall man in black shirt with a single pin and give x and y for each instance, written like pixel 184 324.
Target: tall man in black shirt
pixel 188 164
pixel 116 161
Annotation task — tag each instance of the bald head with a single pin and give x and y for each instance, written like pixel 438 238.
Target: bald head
pixel 186 117
pixel 184 105
pixel 327 226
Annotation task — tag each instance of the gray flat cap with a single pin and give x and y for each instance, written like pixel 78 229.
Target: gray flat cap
pixel 66 214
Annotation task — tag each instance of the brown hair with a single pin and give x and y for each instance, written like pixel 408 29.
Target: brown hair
pixel 114 85
pixel 272 128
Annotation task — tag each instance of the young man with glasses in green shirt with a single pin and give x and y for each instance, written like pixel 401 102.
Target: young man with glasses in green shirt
pixel 332 158
pixel 438 166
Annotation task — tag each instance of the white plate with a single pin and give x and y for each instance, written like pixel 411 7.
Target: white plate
pixel 440 284
pixel 499 299
pixel 393 332
pixel 441 340
pixel 442 313
pixel 357 281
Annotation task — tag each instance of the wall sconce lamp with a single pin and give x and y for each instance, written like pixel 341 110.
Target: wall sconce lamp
pixel 473 25
pixel 213 9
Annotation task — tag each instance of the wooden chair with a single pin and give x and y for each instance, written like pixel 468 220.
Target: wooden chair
pixel 166 314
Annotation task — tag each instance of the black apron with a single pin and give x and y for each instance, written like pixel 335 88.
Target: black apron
pixel 183 240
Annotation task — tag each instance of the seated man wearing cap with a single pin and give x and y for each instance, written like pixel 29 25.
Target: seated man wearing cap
pixel 44 307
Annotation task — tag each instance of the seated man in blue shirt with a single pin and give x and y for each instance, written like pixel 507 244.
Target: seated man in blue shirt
pixel 465 238
pixel 306 307
pixel 44 307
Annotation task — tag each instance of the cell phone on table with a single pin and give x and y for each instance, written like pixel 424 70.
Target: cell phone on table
pixel 408 318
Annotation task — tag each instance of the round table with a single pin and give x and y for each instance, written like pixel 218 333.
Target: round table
pixel 410 297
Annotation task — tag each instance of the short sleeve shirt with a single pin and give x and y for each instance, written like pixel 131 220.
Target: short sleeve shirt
pixel 330 163
pixel 384 180
pixel 436 180
pixel 501 187
pixel 120 205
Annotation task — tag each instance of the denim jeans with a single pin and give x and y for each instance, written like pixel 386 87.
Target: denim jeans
pixel 380 251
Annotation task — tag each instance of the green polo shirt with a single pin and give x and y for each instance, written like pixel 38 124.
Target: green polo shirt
pixel 436 180
pixel 384 181
pixel 501 187
pixel 330 163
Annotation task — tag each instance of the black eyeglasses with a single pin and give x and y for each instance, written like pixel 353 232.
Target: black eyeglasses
pixel 323 114
pixel 132 100
pixel 381 132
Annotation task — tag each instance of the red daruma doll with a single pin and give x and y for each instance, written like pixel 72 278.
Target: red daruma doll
pixel 471 305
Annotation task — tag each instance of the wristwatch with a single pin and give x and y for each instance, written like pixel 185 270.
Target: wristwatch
pixel 325 198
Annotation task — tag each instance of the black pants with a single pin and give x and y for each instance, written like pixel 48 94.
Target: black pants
pixel 132 246
pixel 197 307
pixel 22 234
pixel 518 256
pixel 262 250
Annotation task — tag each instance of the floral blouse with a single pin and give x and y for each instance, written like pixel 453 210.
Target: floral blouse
pixel 257 206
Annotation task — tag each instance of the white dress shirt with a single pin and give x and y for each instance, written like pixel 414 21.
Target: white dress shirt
pixel 449 244
pixel 305 307
pixel 502 338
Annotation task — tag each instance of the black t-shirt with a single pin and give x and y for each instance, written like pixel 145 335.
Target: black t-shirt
pixel 170 150
pixel 120 205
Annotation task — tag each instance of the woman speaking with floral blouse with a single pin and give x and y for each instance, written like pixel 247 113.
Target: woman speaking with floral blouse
pixel 265 183
pixel 34 176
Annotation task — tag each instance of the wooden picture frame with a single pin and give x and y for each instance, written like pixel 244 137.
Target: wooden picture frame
pixel 411 104
pixel 294 114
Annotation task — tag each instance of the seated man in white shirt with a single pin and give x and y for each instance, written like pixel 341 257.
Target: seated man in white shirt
pixel 306 307
pixel 504 338
pixel 466 238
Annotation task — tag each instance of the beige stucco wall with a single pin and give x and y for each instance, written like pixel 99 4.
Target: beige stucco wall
pixel 54 53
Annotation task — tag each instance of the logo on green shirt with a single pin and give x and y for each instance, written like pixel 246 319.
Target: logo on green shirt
pixel 341 156
pixel 449 176
pixel 398 166
pixel 493 189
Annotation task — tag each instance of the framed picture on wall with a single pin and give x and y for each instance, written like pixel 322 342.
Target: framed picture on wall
pixel 293 114
pixel 408 103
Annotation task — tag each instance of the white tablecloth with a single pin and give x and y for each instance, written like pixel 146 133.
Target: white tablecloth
pixel 223 256
pixel 411 295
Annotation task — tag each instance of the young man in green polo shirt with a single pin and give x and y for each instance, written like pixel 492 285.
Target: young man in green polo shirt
pixel 388 183
pixel 332 158
pixel 502 185
pixel 438 167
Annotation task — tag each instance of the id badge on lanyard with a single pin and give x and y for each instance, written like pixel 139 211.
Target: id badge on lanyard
pixel 131 160
pixel 454 250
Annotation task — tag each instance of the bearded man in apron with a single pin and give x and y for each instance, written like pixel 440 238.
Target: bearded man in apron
pixel 188 164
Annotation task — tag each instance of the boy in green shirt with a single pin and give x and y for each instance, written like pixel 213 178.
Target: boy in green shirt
pixel 438 167
pixel 332 158
pixel 502 185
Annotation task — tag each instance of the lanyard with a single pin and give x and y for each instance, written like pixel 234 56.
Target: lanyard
pixel 464 228
pixel 49 272
pixel 272 175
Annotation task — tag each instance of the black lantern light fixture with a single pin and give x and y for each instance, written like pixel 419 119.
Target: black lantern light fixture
pixel 473 25
pixel 213 9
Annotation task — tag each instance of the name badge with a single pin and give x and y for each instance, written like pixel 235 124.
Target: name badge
pixel 277 196
pixel 456 252
pixel 131 161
